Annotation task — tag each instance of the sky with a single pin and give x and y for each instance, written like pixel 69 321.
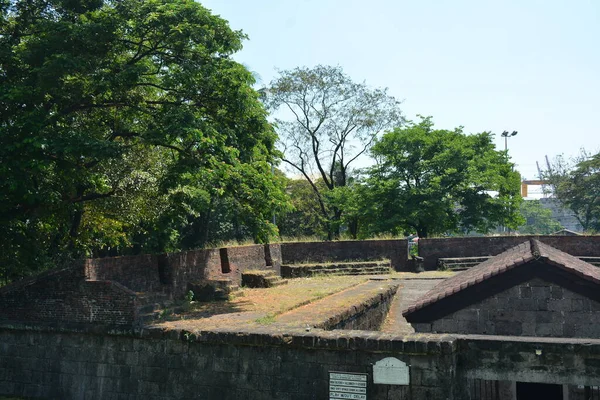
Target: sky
pixel 516 65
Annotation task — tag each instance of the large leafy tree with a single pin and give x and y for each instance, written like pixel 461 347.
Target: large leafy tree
pixel 326 122
pixel 538 219
pixel 576 184
pixel 436 181
pixel 129 119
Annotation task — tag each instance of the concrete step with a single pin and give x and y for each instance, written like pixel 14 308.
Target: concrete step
pixel 260 279
pixel 337 268
pixel 460 263
pixel 279 282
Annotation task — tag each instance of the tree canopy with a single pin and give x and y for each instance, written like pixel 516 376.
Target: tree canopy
pixel 326 122
pixel 126 123
pixel 538 219
pixel 576 185
pixel 436 181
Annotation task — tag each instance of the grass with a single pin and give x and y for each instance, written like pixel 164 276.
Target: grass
pixel 266 320
pixel 259 305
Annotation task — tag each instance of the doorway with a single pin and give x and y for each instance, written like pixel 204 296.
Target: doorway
pixel 535 391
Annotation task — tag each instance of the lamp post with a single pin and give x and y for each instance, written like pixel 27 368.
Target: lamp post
pixel 506 135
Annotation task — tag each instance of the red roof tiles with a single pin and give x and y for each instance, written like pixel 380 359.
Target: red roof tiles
pixel 511 258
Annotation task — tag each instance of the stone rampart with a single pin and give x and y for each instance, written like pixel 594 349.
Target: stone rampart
pixel 360 250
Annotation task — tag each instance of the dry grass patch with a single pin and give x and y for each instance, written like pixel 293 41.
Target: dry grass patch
pixel 248 305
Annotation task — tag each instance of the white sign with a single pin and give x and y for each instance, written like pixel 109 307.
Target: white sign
pixel 391 371
pixel 347 386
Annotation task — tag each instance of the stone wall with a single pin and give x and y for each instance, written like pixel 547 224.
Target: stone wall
pixel 252 366
pixel 532 308
pixel 63 297
pixel 432 249
pixel 269 365
pixel 363 250
pixel 368 315
pixel 138 273
pixel 555 361
pixel 180 269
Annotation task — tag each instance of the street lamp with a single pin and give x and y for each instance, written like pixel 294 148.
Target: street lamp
pixel 506 135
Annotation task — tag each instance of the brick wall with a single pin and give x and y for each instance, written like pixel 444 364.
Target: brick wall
pixel 364 250
pixel 432 249
pixel 138 273
pixel 64 297
pixel 532 308
pixel 179 269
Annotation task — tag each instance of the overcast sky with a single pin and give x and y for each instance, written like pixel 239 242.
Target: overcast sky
pixel 524 65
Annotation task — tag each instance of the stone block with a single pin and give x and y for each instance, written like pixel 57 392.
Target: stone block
pixel 577 304
pixel 508 328
pixel 544 316
pixel 557 292
pixel 541 292
pixel 422 326
pixel 549 329
pixel 468 326
pixel 525 292
pixel 467 315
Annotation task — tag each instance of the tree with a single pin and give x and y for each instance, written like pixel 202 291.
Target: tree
pixel 325 123
pixel 576 185
pixel 538 220
pixel 106 105
pixel 305 219
pixel 436 181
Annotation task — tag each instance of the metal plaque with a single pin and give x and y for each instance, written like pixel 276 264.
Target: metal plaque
pixel 391 371
pixel 344 385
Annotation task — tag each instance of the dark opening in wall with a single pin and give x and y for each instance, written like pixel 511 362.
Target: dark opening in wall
pixel 163 275
pixel 225 267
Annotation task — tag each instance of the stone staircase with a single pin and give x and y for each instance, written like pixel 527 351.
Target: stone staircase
pixel 262 279
pixel 337 268
pixel 463 263
pixel 460 263
pixel 213 289
pixel 150 305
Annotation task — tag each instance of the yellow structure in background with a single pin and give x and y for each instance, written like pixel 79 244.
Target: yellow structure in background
pixel 525 184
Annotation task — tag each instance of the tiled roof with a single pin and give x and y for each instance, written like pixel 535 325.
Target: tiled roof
pixel 511 258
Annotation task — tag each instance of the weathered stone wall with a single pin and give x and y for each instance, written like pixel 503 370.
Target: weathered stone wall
pixel 273 256
pixel 363 250
pixel 253 366
pixel 264 365
pixel 432 249
pixel 63 297
pixel 556 361
pixel 368 315
pixel 532 308
pixel 138 273
pixel 180 269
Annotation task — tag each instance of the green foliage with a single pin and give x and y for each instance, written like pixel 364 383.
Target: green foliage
pixel 125 127
pixel 189 296
pixel 538 220
pixel 325 122
pixel 266 320
pixel 577 186
pixel 305 219
pixel 439 181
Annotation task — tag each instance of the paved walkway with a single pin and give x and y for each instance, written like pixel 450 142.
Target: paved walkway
pixel 409 291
